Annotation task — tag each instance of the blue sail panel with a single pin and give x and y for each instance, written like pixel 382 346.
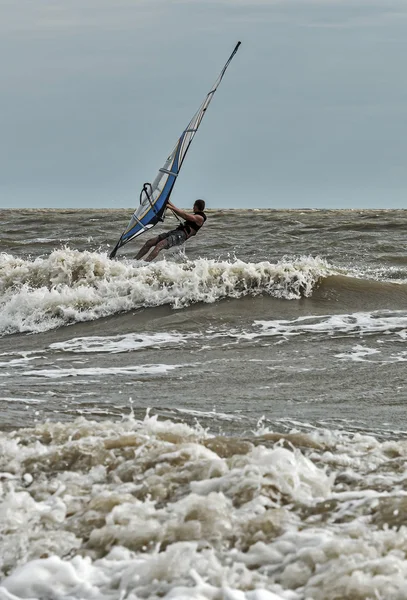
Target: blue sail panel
pixel 154 197
pixel 152 213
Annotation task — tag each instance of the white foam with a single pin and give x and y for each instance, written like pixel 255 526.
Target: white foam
pixel 363 323
pixel 23 400
pixel 120 343
pixel 102 371
pixel 358 353
pixel 210 414
pixel 158 509
pixel 17 361
pixel 71 286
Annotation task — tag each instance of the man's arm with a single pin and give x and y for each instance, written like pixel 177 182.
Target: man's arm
pixel 184 215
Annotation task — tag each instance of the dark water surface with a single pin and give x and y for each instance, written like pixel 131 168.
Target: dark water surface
pixel 289 314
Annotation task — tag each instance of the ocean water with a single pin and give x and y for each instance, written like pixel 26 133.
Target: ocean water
pixel 225 423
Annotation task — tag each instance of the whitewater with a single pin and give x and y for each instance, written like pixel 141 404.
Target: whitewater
pixel 71 286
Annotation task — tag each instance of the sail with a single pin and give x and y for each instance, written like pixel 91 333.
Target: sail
pixel 154 196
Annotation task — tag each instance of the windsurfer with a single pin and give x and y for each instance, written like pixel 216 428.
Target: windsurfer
pixel 192 224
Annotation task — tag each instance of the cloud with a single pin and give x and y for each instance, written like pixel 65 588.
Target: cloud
pixel 368 18
pixel 330 14
pixel 44 16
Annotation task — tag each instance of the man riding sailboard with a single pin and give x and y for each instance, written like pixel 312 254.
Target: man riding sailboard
pixel 154 197
pixel 192 224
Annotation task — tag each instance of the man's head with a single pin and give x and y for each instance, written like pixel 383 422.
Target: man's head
pixel 199 205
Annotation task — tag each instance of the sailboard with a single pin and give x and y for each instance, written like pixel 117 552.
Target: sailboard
pixel 154 196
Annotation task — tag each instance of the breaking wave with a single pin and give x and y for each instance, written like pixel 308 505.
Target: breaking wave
pixel 70 286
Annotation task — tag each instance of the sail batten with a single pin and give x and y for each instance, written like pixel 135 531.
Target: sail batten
pixel 153 201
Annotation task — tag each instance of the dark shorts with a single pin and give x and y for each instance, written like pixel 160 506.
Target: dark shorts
pixel 176 237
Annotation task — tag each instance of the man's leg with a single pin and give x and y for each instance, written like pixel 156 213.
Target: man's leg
pixel 160 246
pixel 144 249
pixel 172 238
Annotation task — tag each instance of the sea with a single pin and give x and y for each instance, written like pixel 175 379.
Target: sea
pixel 227 422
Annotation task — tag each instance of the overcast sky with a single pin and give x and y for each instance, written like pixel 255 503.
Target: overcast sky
pixel 311 113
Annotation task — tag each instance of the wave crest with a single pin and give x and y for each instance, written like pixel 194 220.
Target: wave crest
pixel 70 286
